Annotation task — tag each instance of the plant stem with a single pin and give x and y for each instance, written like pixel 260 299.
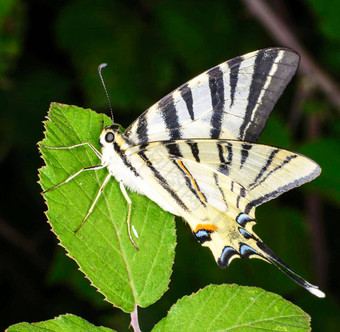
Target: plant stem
pixel 134 320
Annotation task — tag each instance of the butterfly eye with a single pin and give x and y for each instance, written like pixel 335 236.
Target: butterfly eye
pixel 109 137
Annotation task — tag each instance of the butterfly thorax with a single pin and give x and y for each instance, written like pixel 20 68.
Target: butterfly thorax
pixel 114 144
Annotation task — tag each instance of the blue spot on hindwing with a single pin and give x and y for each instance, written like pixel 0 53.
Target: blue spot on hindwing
pixel 202 233
pixel 247 251
pixel 202 236
pixel 226 255
pixel 245 234
pixel 242 219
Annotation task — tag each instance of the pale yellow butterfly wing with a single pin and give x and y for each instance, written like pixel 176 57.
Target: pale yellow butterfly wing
pixel 215 186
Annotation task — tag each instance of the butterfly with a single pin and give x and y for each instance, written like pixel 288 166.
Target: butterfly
pixel 195 154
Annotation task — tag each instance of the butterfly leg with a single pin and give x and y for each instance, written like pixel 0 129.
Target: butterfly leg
pixel 91 168
pixel 128 200
pixel 94 203
pixel 74 146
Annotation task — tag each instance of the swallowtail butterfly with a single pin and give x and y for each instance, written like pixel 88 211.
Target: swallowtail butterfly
pixel 194 153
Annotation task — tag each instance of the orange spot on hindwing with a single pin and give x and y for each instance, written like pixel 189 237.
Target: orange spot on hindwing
pixel 206 227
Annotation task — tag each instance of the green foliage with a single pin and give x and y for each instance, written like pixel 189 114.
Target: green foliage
pixel 101 248
pixel 231 307
pixel 63 323
pixel 214 308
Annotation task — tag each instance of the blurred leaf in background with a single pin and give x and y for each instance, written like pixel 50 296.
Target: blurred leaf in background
pixel 326 16
pixel 12 22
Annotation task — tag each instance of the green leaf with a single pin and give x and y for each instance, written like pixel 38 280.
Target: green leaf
pixel 232 307
pixel 102 248
pixel 62 323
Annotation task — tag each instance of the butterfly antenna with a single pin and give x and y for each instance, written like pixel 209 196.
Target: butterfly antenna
pixel 100 67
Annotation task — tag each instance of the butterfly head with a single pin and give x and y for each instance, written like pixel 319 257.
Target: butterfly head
pixel 113 138
pixel 108 135
pixel 114 144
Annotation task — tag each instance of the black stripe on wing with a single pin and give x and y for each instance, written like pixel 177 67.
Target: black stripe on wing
pixel 234 65
pixel 142 128
pixel 194 150
pixel 163 182
pixel 216 86
pixel 241 194
pixel 191 183
pixel 266 88
pixel 245 153
pixel 170 116
pixel 268 196
pixel 220 189
pixel 265 167
pixel 285 162
pixel 263 64
pixel 186 94
pixel 173 148
pixel 225 163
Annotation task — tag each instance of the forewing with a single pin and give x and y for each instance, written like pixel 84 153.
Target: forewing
pixel 230 101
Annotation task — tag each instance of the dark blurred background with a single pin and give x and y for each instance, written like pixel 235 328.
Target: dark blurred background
pixel 50 50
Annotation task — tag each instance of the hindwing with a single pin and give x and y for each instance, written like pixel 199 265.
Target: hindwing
pixel 215 186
